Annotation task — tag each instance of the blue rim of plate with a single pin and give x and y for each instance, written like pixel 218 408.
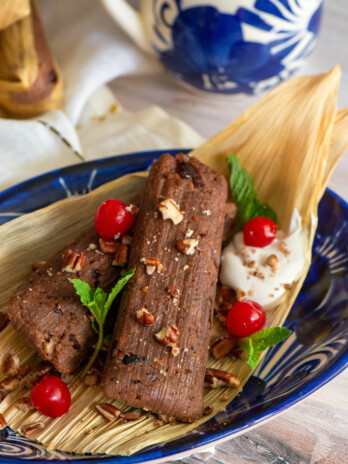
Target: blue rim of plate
pixel 80 179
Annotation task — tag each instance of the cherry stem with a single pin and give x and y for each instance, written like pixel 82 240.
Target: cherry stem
pixel 96 351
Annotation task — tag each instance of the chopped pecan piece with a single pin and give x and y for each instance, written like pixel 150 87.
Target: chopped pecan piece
pixel 9 384
pixel 48 345
pixel 109 246
pixel 29 429
pixel 273 262
pixel 130 416
pixel 151 265
pixel 170 210
pixel 284 249
pixel 121 256
pixel 150 261
pixel 108 411
pixel 132 209
pixel 23 371
pixel 168 336
pixel 24 403
pixel 208 410
pixel 126 240
pixel 175 292
pixel 92 378
pixel 11 365
pixel 144 317
pixel 187 245
pixel 227 294
pixel 215 378
pixel 3 422
pixel 163 418
pixel 37 373
pixel 37 264
pixel 72 261
pixel 287 286
pixel 175 351
pixel 224 308
pixel 259 275
pixel 240 294
pixel 223 346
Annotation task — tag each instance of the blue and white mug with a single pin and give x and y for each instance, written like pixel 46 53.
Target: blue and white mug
pixel 224 46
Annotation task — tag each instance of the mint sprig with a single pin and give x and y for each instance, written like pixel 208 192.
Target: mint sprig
pixel 254 345
pixel 99 303
pixel 243 192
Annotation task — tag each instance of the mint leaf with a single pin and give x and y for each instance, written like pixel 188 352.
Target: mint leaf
pixel 260 341
pixel 243 192
pixel 99 303
pixel 118 287
pixel 84 291
pixel 242 187
pixel 264 210
pixel 100 298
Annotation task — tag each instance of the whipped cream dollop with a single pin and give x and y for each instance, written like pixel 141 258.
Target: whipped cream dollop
pixel 264 274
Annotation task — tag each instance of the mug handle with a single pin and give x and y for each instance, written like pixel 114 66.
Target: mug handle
pixel 129 19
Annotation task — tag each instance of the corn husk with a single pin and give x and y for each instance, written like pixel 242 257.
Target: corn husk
pixel 30 80
pixel 13 10
pixel 289 141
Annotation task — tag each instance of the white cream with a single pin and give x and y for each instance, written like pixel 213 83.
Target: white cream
pixel 245 268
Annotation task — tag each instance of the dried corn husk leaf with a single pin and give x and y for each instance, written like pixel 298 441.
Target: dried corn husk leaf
pixel 267 149
pixel 30 80
pixel 12 11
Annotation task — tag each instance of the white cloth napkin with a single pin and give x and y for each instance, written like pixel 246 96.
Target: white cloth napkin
pixel 91 51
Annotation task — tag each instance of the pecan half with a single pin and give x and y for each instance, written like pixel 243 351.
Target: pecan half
pixel 187 245
pixel 29 429
pixel 144 317
pixel 222 346
pixel 215 378
pixel 121 256
pixel 170 210
pixel 11 365
pixel 108 246
pixel 108 411
pixel 168 336
pixel 72 261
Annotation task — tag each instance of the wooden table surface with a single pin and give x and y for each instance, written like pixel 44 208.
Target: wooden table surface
pixel 316 430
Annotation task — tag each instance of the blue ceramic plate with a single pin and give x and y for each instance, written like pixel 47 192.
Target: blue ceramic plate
pixel 316 351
